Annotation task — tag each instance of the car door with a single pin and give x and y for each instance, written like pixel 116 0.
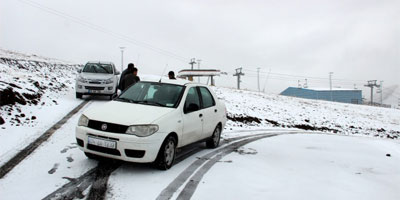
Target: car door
pixel 192 117
pixel 209 111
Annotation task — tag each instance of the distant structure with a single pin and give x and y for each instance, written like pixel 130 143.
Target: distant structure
pixel 353 96
pixel 190 73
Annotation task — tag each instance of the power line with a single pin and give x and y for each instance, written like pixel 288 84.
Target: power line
pixel 302 76
pixel 104 30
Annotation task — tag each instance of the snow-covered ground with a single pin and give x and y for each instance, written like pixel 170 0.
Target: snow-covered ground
pixel 35 92
pixel 334 164
pixel 268 110
pixel 307 166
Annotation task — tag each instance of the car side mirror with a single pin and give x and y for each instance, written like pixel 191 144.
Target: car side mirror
pixel 79 70
pixel 192 107
pixel 117 73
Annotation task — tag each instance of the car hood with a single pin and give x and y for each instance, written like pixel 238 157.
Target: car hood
pixel 96 75
pixel 125 113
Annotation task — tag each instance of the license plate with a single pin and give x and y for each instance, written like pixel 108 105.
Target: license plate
pixel 94 91
pixel 102 142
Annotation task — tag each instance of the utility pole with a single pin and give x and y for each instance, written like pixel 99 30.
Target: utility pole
pixel 192 62
pixel 380 90
pixel 305 84
pixel 371 84
pixel 238 74
pixel 258 79
pixel 198 67
pixel 122 58
pixel 330 84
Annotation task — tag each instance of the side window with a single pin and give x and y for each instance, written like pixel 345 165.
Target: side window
pixel 206 96
pixel 192 102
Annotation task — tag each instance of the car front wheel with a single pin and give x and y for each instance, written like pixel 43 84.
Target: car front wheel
pixel 79 95
pixel 166 155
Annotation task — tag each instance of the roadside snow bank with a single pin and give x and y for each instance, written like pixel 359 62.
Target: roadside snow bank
pixel 247 109
pixel 35 92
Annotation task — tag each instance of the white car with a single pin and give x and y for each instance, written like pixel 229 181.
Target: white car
pixel 97 78
pixel 149 120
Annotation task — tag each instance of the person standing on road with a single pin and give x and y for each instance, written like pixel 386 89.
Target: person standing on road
pixel 171 75
pixel 124 73
pixel 130 79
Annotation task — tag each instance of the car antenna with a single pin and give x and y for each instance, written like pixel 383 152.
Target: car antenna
pixel 166 65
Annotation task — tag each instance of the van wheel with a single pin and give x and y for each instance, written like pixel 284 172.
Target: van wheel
pixel 166 155
pixel 213 142
pixel 79 95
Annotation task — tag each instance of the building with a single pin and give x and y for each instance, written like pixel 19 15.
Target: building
pixel 336 94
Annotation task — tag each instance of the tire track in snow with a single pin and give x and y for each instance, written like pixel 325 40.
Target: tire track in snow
pixel 173 187
pixel 98 176
pixel 20 156
pixel 191 186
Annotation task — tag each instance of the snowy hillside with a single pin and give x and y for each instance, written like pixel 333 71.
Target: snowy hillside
pixel 30 80
pixel 252 109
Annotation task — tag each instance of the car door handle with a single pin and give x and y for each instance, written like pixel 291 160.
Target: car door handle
pixel 215 110
pixel 201 115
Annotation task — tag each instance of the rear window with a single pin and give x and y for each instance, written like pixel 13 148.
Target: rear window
pixel 98 68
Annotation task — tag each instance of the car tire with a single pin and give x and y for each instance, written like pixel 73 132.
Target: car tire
pixel 213 142
pixel 166 155
pixel 91 156
pixel 79 95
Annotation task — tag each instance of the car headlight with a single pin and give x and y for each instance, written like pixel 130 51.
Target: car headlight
pixel 81 79
pixel 108 81
pixel 83 121
pixel 142 130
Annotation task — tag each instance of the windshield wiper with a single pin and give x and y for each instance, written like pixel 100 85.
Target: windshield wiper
pixel 151 102
pixel 125 99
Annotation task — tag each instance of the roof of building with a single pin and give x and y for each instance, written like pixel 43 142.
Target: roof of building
pixel 199 72
pixel 328 89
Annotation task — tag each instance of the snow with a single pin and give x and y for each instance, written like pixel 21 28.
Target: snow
pixel 291 112
pixel 329 161
pixel 305 166
pixel 333 89
pixel 35 94
pixel 33 175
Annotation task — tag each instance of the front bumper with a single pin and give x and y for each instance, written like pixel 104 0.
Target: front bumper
pixel 126 146
pixel 87 88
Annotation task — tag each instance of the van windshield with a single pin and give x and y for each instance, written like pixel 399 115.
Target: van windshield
pixel 98 68
pixel 151 93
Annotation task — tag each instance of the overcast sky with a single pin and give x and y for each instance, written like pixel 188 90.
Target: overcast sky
pixel 357 40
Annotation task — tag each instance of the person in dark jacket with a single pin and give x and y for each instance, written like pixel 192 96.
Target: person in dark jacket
pixel 171 75
pixel 125 72
pixel 130 79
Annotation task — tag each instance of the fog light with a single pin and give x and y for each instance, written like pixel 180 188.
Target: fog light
pixel 80 86
pixel 110 88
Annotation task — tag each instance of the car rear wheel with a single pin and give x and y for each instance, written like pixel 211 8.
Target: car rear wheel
pixel 213 142
pixel 166 155
pixel 79 95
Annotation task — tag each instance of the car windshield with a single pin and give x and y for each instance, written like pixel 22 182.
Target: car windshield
pixel 151 93
pixel 98 68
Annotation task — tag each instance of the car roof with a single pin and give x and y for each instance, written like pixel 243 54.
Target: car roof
pixel 177 81
pixel 100 62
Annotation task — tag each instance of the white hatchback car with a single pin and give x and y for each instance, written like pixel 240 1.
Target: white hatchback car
pixel 149 120
pixel 97 78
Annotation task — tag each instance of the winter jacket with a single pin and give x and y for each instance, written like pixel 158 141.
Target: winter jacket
pixel 125 72
pixel 128 81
